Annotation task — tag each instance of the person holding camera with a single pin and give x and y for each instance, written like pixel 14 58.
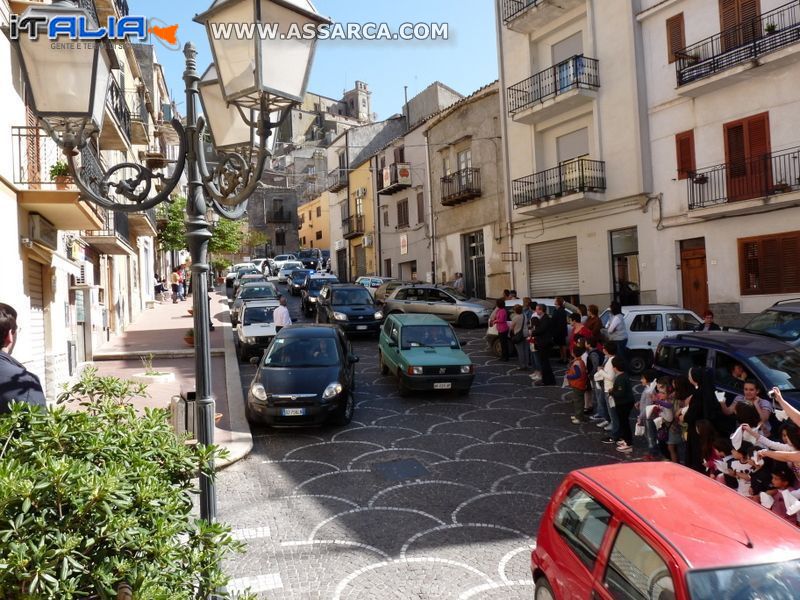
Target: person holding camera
pixel 750 396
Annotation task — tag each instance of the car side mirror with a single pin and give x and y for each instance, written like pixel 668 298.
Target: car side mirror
pixel 463 342
pixel 254 360
pixel 391 344
pixel 352 359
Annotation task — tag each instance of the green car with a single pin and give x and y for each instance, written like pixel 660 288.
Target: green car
pixel 424 353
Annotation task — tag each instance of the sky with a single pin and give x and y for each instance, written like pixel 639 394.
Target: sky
pixel 465 62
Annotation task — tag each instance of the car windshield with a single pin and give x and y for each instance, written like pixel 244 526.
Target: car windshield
pixel 302 352
pixel 782 368
pixel 258 292
pixel 776 581
pixel 455 293
pixel 781 324
pixel 434 336
pixel 291 266
pixel 316 284
pixel 307 254
pixel 351 297
pixel 258 314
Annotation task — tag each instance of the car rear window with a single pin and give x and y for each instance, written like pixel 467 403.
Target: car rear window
pixel 681 321
pixel 777 323
pixel 582 522
pixel 775 581
pixel 258 292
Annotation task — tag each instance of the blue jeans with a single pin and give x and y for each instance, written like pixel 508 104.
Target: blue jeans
pixel 533 359
pixel 615 422
pixel 600 401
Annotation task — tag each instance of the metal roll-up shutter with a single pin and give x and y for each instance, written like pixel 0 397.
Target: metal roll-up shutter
pixel 553 268
pixel 35 329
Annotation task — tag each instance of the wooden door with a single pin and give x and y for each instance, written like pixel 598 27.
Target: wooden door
pixel 738 22
pixel 747 155
pixel 694 276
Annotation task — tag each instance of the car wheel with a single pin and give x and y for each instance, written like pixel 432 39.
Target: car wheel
pixel 384 368
pixel 543 590
pixel 344 415
pixel 468 320
pixel 639 362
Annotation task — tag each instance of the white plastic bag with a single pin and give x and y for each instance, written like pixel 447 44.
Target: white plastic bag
pixel 639 431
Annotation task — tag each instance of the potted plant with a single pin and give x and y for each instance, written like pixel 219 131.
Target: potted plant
pixel 150 374
pixel 770 28
pixel 188 337
pixel 59 173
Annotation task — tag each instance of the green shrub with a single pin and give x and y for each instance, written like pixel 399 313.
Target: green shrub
pixel 100 496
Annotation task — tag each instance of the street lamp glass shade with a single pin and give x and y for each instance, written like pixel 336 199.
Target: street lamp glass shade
pixel 228 129
pixel 67 82
pixel 249 66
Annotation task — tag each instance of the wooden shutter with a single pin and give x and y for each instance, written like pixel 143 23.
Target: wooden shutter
pixel 684 148
pixel 770 264
pixel 735 149
pixel 758 136
pixel 749 11
pixel 400 154
pixel 676 37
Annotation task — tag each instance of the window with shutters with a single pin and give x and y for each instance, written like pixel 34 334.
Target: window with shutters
pixel 400 154
pixel 770 264
pixel 319 235
pixel 420 208
pixel 676 37
pixel 684 148
pixel 385 218
pixel 402 213
pixel 747 157
pixel 738 22
pixel 319 211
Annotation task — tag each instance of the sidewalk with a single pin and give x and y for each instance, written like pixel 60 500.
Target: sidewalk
pixel 159 331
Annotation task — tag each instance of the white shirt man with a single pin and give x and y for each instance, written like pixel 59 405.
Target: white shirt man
pixel 281 315
pixel 458 284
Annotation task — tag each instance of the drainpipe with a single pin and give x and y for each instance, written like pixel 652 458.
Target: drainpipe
pixel 376 211
pixel 504 134
pixel 432 224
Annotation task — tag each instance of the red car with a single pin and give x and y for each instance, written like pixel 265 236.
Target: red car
pixel 659 531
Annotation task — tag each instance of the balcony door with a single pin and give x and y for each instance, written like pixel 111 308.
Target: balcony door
pixel 464 163
pixel 738 22
pixel 565 75
pixel 747 156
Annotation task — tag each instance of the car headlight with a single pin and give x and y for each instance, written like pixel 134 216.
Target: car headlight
pixel 378 315
pixel 340 316
pixel 249 340
pixel 465 369
pixel 415 370
pixel 333 390
pixel 312 298
pixel 258 392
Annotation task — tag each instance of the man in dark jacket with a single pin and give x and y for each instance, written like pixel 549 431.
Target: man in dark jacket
pixel 560 329
pixel 543 338
pixel 16 382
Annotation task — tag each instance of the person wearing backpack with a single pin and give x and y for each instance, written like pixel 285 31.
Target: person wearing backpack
pixel 578 381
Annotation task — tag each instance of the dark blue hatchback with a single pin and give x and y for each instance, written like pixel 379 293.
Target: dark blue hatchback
pixel 772 362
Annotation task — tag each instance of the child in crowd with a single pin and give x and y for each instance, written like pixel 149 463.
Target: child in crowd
pixel 783 479
pixel 649 383
pixel 741 468
pixel 621 401
pixel 578 381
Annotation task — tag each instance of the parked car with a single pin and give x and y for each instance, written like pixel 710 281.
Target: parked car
pixel 781 321
pixel 491 331
pixel 306 377
pixel 255 327
pixel 658 531
pixel 647 325
pixel 287 269
pixel 279 261
pixel 386 288
pixel 350 307
pixel 247 276
pixel 311 289
pixel 372 283
pixel 258 290
pixel 233 272
pixel 260 263
pixel 444 302
pixel 297 279
pixel 423 352
pixel 771 362
pixel 311 259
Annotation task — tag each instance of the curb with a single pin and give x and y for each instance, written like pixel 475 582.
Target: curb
pixel 241 438
pixel 127 355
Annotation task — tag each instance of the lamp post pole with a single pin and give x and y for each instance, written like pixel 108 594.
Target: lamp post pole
pixel 198 235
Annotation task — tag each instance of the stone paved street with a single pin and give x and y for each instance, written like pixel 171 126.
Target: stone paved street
pixel 434 496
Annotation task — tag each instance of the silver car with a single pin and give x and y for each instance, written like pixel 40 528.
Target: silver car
pixel 445 302
pixel 260 290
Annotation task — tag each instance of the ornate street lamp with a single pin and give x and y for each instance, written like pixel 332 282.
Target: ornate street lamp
pixel 259 80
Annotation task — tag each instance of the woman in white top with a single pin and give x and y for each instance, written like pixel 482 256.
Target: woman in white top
pixel 616 330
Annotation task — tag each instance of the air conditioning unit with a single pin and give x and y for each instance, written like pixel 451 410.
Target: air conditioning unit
pixel 86 276
pixel 367 241
pixel 361 192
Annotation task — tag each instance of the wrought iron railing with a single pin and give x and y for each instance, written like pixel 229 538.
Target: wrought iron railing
pixel 33 154
pixel 353 225
pixel 759 177
pixel 577 72
pixel 337 179
pixel 88 6
pixel 766 33
pixel 581 175
pixel 118 105
pixel 394 177
pixel 512 8
pixel 461 185
pixel 138 108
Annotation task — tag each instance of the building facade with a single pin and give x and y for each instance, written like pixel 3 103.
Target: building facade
pixel 724 107
pixel 314 223
pixel 577 169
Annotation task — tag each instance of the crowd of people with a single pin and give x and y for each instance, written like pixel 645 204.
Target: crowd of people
pixel 749 441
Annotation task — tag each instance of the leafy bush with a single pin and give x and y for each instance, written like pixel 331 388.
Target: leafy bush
pixel 100 496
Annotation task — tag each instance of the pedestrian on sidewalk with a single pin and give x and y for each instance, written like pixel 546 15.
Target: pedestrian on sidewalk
pixel 281 316
pixel 623 401
pixel 543 339
pixel 578 382
pixel 175 280
pixel 16 382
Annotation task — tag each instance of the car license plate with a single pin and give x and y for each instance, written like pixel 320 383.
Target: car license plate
pixel 293 412
pixel 361 327
pixel 442 386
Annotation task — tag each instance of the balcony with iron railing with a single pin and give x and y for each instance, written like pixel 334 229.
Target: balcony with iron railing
pixel 572 185
pixel 353 227
pixel 461 186
pixel 115 236
pixel 337 179
pixel 526 16
pixel 562 87
pixel 140 118
pixel 701 65
pixel 34 157
pixel 746 185
pixel 116 132
pixel 394 178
